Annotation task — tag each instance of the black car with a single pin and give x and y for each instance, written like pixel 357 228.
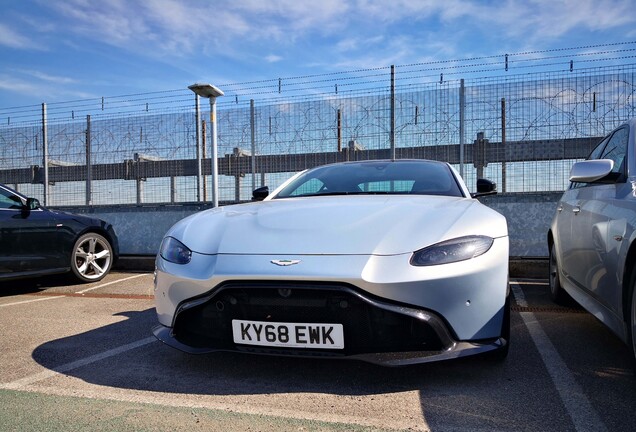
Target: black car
pixel 36 241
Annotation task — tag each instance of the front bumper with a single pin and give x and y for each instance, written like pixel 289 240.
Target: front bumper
pixel 469 295
pixel 375 330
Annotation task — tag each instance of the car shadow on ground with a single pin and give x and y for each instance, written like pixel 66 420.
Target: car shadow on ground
pixel 34 284
pixel 470 392
pixel 157 367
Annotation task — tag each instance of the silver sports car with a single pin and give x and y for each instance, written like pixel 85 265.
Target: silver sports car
pixel 390 262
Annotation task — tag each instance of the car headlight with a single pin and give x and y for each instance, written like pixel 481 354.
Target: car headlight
pixel 450 251
pixel 174 251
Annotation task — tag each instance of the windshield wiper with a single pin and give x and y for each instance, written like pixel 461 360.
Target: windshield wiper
pixel 325 194
pixel 336 193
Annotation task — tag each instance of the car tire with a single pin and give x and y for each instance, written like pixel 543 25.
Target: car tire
pixel 557 293
pixel 92 257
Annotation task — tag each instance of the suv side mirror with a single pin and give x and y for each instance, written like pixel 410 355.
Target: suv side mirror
pixel 590 171
pixel 260 194
pixel 485 187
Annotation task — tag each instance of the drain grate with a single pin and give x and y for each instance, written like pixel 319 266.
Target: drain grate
pixel 554 309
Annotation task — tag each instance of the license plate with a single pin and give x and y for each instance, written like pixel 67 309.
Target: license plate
pixel 290 335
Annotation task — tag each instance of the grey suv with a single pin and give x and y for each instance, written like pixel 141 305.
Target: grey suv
pixel 591 239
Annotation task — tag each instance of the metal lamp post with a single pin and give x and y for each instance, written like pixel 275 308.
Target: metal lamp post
pixel 211 92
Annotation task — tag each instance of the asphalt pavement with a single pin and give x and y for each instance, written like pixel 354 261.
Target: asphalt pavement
pixel 82 357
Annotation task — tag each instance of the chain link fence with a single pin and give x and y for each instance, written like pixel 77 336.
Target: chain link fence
pixel 520 120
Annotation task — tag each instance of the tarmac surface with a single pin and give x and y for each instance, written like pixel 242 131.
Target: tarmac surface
pixel 82 357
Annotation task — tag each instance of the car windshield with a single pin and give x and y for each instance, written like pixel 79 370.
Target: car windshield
pixel 377 177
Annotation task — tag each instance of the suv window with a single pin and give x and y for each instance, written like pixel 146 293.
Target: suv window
pixel 613 147
pixel 616 149
pixel 596 153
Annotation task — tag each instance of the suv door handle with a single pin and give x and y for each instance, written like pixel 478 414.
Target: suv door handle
pixel 576 210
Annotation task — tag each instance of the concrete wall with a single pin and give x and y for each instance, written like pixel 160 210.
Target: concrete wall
pixel 529 216
pixel 141 228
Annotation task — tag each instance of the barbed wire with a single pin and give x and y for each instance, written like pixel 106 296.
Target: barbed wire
pixel 363 77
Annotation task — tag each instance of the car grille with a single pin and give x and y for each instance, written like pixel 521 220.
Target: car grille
pixel 369 325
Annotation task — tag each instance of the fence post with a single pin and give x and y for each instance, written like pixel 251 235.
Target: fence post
pixel 204 145
pixel 45 155
pixel 339 129
pixel 462 130
pixel 392 137
pixel 89 171
pixel 215 153
pixel 253 140
pixel 197 109
pixel 140 190
pixel 503 144
pixel 479 154
pixel 237 187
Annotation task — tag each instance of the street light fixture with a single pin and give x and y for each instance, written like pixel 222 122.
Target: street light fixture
pixel 210 92
pixel 206 90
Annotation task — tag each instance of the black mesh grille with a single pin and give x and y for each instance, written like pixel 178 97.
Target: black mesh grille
pixel 367 328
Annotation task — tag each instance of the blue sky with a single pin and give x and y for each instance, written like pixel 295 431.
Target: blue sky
pixel 62 50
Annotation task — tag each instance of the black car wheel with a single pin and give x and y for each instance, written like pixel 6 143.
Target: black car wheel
pixel 92 257
pixel 557 293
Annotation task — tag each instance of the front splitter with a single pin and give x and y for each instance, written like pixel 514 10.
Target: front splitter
pixel 456 350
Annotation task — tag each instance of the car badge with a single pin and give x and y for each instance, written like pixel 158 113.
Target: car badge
pixel 285 262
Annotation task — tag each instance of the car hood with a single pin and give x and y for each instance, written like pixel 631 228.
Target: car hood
pixel 339 225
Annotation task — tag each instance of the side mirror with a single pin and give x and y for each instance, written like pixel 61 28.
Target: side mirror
pixel 591 170
pixel 32 204
pixel 260 194
pixel 485 187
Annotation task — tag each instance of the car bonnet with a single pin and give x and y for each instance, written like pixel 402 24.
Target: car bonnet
pixel 354 225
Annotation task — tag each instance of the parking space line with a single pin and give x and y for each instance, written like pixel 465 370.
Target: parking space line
pixel 578 406
pixel 518 294
pixel 23 382
pixel 30 301
pixel 111 283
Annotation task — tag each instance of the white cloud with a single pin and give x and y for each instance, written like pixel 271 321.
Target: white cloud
pixel 111 22
pixel 47 77
pixel 341 33
pixel 295 15
pixel 21 86
pixel 536 20
pixel 273 58
pixel 378 52
pixel 12 39
pixel 352 44
pixel 442 30
pixel 542 20
pixel 187 27
pixel 18 86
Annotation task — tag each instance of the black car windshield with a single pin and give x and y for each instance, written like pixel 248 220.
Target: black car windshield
pixel 375 177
